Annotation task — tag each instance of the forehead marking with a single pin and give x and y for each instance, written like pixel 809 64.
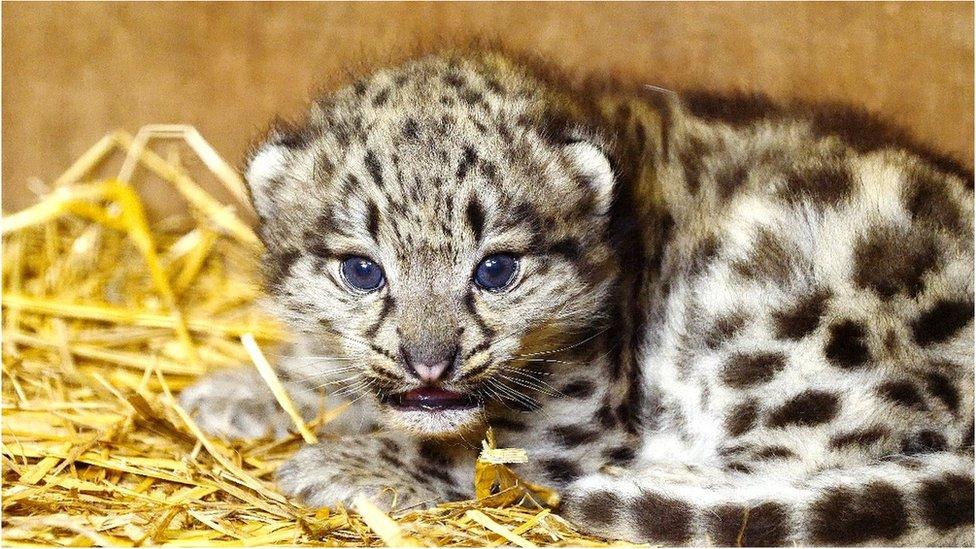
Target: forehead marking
pixel 372 219
pixel 373 166
pixel 410 129
pixel 476 218
pixel 467 160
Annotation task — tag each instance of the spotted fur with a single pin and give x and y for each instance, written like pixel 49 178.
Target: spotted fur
pixel 734 322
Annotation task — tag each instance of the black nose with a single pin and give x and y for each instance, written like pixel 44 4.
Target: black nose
pixel 430 363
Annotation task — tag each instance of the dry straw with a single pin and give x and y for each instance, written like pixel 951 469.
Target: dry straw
pixel 106 316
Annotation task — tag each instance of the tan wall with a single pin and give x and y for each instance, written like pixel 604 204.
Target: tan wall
pixel 73 71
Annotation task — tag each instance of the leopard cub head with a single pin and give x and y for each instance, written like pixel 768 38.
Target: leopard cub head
pixel 430 229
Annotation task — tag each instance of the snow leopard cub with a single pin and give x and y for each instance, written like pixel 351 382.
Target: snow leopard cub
pixel 707 320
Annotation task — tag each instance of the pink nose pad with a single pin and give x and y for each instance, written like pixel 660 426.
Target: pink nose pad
pixel 430 372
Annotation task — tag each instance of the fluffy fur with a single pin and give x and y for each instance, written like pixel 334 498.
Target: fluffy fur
pixel 732 323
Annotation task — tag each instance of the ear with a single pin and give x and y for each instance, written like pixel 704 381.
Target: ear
pixel 593 166
pixel 264 175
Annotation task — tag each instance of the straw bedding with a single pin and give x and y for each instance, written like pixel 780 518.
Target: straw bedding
pixel 106 316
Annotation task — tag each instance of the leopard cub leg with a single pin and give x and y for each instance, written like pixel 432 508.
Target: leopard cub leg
pixel 237 404
pixel 394 471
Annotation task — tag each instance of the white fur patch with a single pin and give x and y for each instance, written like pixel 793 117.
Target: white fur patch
pixel 591 163
pixel 267 164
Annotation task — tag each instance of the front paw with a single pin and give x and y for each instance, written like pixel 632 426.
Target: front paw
pixel 235 404
pixel 334 472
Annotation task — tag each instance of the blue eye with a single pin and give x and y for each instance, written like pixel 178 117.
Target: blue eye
pixel 496 271
pixel 362 274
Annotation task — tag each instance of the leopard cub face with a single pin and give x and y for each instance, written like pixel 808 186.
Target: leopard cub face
pixel 431 227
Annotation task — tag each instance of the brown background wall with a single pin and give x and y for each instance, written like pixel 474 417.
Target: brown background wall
pixel 73 71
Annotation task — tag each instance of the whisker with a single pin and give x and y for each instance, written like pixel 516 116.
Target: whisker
pixel 349 338
pixel 566 348
pixel 552 360
pixel 311 376
pixel 535 385
pixel 363 388
pixel 514 394
pixel 315 357
pixel 339 381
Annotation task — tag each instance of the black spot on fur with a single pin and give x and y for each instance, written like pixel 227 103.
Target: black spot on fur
pixel 410 129
pixel 661 519
pixel 560 470
pixel 846 347
pixel 318 248
pixel 468 159
pixel 472 97
pixel 278 267
pixel 903 392
pixel 454 80
pixel 624 412
pixel 640 136
pixel 434 472
pixel 893 260
pixel 738 467
pixel 927 198
pixel 770 259
pixel 923 442
pixel 508 424
pixel 381 98
pixel 620 455
pixel 729 179
pixel 293 136
pixel 723 329
pixel 691 157
pixel 765 525
pixel 735 450
pixel 736 109
pixel 942 388
pixel 488 170
pixel 807 408
pixel 578 388
pixel 600 508
pixel 942 321
pixel 433 452
pixel 746 369
pixel 742 418
pixel 568 248
pixel 324 224
pixel 774 452
pixel 803 318
pixel 373 166
pixel 572 435
pixel 391 458
pixel 862 438
pixel 947 502
pixel 848 516
pixel 828 184
pixel 606 416
pixel 476 218
pixel 306 493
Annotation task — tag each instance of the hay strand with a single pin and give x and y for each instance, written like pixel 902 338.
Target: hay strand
pixel 271 378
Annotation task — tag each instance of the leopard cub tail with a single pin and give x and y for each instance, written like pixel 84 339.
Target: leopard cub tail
pixel 925 500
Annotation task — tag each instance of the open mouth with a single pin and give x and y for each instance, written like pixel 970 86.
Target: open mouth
pixel 431 399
